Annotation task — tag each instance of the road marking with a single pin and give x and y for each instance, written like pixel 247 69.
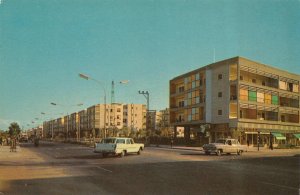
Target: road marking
pixel 281 186
pixel 103 169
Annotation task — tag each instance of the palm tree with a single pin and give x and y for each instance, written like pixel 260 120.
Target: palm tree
pixel 14 129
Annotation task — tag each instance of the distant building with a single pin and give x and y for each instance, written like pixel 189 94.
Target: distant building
pixel 237 98
pixel 98 121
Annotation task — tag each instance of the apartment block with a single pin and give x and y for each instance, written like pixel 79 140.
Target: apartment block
pixel 163 121
pixel 83 124
pixel 73 128
pixel 134 116
pixel 237 98
pixel 97 121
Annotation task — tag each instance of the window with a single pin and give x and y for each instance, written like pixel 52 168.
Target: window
pixel 197 100
pixel 219 112
pixel 118 109
pixel 120 141
pixel 241 78
pixel 220 76
pixel 253 80
pixel 193 114
pixel 220 94
pixel 181 103
pixel 252 96
pixel 181 89
pixel 193 84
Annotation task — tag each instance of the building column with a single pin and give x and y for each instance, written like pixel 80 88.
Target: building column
pixel 175 132
pixel 187 135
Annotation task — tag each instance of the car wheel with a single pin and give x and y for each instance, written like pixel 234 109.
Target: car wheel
pixel 207 153
pixel 122 154
pixel 139 152
pixel 239 152
pixel 104 155
pixel 219 152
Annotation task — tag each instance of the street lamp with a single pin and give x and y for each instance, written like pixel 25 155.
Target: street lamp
pixel 86 77
pixel 122 82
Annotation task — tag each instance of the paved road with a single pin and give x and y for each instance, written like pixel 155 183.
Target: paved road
pixel 56 168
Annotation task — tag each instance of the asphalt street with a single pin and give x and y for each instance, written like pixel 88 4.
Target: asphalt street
pixel 57 168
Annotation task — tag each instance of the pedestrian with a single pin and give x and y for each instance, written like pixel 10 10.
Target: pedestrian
pixel 172 141
pixel 271 145
pixel 248 143
pixel 11 146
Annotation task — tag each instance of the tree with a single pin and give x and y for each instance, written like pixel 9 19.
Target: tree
pixel 14 129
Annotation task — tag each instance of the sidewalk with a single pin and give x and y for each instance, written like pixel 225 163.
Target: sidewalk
pixel 7 155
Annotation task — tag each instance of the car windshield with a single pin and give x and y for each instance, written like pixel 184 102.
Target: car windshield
pixel 108 141
pixel 221 141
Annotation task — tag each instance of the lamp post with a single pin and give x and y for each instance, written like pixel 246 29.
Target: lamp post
pixel 86 77
pixel 122 82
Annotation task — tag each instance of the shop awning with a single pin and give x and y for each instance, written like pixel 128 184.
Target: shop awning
pixel 279 136
pixel 297 135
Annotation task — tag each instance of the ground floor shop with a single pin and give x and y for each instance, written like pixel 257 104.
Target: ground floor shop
pixel 246 133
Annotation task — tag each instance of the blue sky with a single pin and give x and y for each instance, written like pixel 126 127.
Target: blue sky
pixel 44 45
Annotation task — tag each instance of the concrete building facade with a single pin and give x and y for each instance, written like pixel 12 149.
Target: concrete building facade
pixel 237 98
pixel 98 121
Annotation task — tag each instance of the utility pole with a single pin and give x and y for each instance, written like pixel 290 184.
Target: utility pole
pixel 146 95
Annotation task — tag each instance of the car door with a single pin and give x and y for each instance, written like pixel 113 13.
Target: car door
pixel 235 145
pixel 228 146
pixel 128 146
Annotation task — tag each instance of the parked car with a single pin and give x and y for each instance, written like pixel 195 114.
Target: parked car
pixel 225 145
pixel 118 146
pixel 23 139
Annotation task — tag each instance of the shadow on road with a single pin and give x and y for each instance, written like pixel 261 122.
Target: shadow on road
pixel 267 175
pixel 31 145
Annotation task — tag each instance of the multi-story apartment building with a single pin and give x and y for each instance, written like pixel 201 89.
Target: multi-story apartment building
pixel 237 98
pixel 74 125
pixel 163 122
pixel 83 124
pixel 35 132
pixel 134 117
pixel 115 116
pixel 90 122
pixel 47 129
pixel 59 128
